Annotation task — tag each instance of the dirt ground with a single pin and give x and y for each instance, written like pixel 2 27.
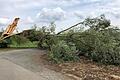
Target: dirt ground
pixel 83 70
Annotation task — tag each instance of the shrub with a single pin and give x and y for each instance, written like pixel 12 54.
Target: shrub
pixel 106 49
pixel 47 41
pixel 98 46
pixel 62 52
pixel 19 41
pixel 16 39
pixel 5 43
pixel 100 42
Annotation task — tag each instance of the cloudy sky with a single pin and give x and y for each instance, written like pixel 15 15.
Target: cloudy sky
pixel 63 12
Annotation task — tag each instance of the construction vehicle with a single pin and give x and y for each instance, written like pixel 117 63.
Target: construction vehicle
pixel 8 32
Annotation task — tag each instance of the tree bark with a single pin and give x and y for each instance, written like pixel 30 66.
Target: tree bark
pixel 69 28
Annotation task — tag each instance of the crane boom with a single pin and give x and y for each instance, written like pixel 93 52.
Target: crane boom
pixel 9 30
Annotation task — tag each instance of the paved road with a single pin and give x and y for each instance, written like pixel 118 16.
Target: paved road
pixel 19 65
pixel 11 71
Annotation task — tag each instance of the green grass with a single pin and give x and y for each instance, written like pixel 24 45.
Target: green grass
pixel 26 45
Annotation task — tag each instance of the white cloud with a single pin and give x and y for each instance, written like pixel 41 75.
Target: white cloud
pixel 82 14
pixel 3 21
pixel 48 15
pixel 57 10
pixel 67 2
pixel 28 20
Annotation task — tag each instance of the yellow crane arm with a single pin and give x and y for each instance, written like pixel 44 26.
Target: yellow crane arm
pixel 9 30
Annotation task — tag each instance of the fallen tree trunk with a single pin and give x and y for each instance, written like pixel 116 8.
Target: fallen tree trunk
pixel 69 28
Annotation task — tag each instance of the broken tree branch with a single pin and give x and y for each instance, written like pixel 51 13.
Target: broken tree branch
pixel 69 28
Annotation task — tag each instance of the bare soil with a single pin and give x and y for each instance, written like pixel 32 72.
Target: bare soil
pixel 83 70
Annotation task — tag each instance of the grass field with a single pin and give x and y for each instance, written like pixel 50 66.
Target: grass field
pixel 26 45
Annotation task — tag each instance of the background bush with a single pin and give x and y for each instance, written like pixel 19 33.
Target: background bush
pixel 101 44
pixel 18 41
pixel 62 52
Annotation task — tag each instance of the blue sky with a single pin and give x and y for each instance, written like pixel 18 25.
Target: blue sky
pixel 63 12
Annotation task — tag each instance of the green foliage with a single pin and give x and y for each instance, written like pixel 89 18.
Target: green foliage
pixel 47 36
pixel 3 45
pixel 106 50
pixel 18 41
pixel 47 41
pixel 62 52
pixel 98 43
pixel 33 36
pixel 98 23
pixel 102 47
pixel 29 44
